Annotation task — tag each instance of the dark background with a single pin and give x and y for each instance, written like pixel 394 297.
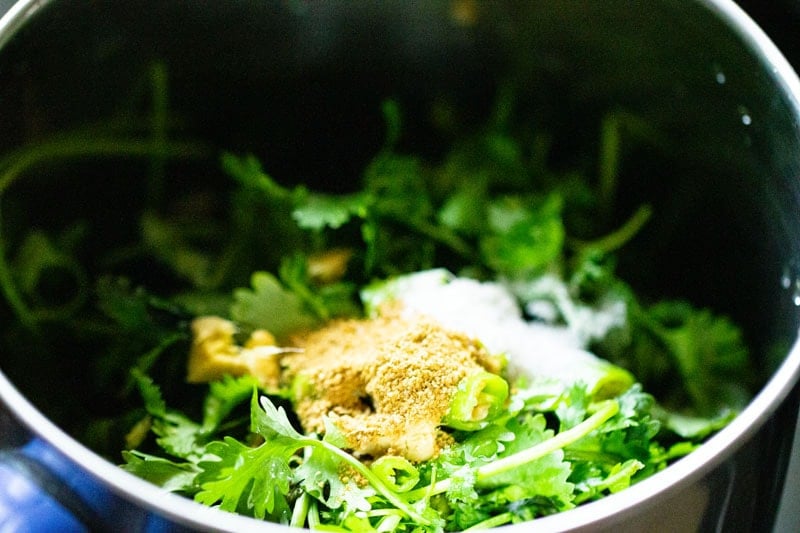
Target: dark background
pixel 780 19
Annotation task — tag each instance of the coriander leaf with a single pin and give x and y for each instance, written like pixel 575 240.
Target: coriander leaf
pixel 462 486
pixel 319 211
pixel 602 412
pixel 573 406
pixel 462 211
pixel 399 229
pixel 270 306
pixel 169 475
pixel 179 436
pixel 524 237
pixel 322 475
pixel 325 301
pixel 398 187
pixel 503 467
pixel 629 434
pixel 165 239
pixel 492 157
pixel 592 482
pixel 466 505
pixel 136 312
pixel 339 300
pixel 154 403
pixel 635 409
pixel 39 261
pixel 620 476
pixel 141 328
pixel 248 171
pixel 333 434
pixel 545 476
pixel 270 421
pixel 252 481
pixel 176 434
pixel 705 350
pixel 693 427
pixel 223 396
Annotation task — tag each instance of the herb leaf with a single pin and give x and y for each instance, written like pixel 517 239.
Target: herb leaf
pixel 705 350
pixel 319 211
pixel 171 476
pixel 254 481
pixel 524 237
pixel 269 306
pixel 176 434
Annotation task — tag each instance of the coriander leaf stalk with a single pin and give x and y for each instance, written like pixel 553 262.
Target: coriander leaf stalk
pixel 15 164
pixel 373 479
pixel 271 422
pixel 605 410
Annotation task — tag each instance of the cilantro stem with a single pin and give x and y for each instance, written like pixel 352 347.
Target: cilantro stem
pixel 609 161
pixel 300 510
pixel 159 81
pixel 436 233
pixel 617 238
pixel 313 515
pixel 9 289
pixel 605 410
pixel 74 147
pixel 146 361
pixel 492 522
pixel 17 163
pixel 621 478
pixel 373 479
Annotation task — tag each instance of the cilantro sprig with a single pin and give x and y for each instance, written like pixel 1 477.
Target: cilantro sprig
pixel 489 208
pixel 492 476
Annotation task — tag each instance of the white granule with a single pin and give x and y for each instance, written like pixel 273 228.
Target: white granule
pixel 489 312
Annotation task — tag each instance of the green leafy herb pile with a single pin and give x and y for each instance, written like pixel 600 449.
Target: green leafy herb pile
pixel 288 258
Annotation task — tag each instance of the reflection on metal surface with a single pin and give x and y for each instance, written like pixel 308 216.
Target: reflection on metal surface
pixel 683 512
pixel 788 519
pixel 15 15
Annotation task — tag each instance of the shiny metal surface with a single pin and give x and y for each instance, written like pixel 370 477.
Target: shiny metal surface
pixel 702 491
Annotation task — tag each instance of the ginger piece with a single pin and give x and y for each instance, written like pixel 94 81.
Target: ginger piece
pixel 214 353
pixel 329 266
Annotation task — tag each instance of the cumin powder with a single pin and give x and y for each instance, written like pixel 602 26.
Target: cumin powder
pixel 385 382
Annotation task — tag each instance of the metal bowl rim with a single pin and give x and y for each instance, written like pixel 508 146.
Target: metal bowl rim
pixel 618 506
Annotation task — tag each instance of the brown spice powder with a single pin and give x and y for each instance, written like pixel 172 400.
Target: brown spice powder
pixel 385 382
